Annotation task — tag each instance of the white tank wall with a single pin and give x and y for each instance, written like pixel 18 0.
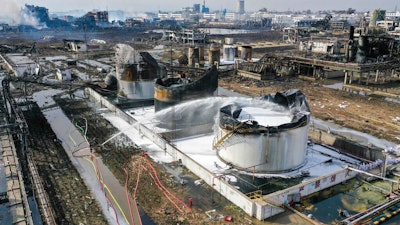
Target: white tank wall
pixel 262 153
pixel 137 89
pixel 229 52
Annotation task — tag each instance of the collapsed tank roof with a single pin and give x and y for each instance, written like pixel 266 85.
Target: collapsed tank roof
pixel 291 110
pixel 268 136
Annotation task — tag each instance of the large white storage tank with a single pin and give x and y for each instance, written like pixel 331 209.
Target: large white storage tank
pixel 264 138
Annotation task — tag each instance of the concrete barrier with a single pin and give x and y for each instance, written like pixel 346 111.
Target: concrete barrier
pixel 346 146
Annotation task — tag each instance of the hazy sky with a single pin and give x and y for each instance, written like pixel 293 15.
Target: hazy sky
pixel 230 5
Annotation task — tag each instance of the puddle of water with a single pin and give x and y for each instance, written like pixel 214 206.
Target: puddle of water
pixel 354 196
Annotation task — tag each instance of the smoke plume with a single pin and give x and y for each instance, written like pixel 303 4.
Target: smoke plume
pixel 12 14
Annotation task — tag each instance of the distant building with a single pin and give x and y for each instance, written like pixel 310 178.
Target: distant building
pixel 393 15
pixel 196 8
pixel 163 15
pixel 210 16
pixel 338 25
pixel 69 19
pixel 376 15
pixel 322 46
pixel 102 17
pixel 240 6
pixel 205 9
pixel 283 19
pixel 231 16
pixel 177 16
pixel 4 27
pixel 99 18
pixel 306 23
pixel 40 13
pixel 135 22
pixel 388 25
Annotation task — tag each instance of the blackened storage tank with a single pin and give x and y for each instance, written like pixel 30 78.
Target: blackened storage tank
pixel 266 137
pixel 136 73
pixel 170 91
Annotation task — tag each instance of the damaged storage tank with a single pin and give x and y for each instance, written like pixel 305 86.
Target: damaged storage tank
pixel 266 137
pixel 174 90
pixel 136 73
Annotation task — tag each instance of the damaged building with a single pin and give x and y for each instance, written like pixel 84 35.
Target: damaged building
pixel 136 72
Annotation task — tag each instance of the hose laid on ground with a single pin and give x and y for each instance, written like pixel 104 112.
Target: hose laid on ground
pixel 91 158
pixel 154 175
pixel 134 199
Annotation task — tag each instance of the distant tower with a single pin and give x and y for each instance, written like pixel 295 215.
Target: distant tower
pixel 204 9
pixel 196 8
pixel 240 6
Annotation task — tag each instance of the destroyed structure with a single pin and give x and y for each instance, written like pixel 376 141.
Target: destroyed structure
pixel 363 58
pixel 170 91
pixel 136 73
pixel 271 138
pixel 186 36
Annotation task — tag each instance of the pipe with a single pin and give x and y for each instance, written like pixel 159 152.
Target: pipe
pixel 373 211
pixel 372 175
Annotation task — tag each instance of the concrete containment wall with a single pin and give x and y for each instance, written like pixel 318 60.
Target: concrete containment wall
pixel 345 146
pixel 262 208
pixel 100 99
